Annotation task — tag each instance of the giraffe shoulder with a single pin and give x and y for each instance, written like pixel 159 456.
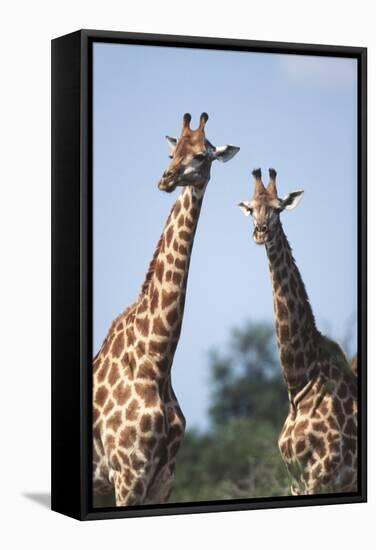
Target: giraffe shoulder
pixel 332 351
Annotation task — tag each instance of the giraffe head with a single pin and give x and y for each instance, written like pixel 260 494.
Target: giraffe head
pixel 192 156
pixel 265 207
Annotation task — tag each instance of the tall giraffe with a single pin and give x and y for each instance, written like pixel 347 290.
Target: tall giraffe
pixel 137 422
pixel 318 442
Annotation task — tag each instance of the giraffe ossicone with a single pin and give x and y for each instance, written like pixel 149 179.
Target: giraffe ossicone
pixel 137 422
pixel 318 442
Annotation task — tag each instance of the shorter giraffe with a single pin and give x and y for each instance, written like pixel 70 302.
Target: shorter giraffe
pixel 318 442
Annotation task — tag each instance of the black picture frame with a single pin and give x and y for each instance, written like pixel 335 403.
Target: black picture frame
pixel 72 271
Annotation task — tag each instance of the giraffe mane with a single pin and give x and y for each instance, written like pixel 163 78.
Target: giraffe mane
pixel 307 302
pixel 153 262
pixel 333 348
pixel 124 313
pixel 130 309
pixel 150 272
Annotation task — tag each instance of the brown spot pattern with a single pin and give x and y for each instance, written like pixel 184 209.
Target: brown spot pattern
pixel 172 317
pixel 168 298
pixel 159 269
pixel 113 374
pixel 101 395
pixel 177 278
pixel 159 329
pixel 169 234
pixel 177 209
pixel 122 393
pixel 102 372
pixel 110 405
pixel 186 202
pixel 154 301
pixel 181 221
pixel 132 411
pixel 157 347
pixel 114 421
pixel 184 235
pixel 118 345
pixel 142 324
pixel 148 393
pixel 128 437
pixel 130 336
pixel 180 264
pixel 145 423
pixel 146 370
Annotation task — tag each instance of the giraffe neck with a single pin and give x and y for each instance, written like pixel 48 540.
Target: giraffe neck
pixel 295 324
pixel 160 312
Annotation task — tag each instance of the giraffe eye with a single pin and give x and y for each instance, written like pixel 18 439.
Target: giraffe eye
pixel 200 156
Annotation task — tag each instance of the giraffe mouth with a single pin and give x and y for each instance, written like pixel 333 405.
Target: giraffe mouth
pixel 261 237
pixel 167 186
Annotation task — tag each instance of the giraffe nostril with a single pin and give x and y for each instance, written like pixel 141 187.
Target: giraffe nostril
pixel 167 173
pixel 261 228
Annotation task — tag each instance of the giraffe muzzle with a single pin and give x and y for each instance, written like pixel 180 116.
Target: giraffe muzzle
pixel 166 185
pixel 261 228
pixel 261 234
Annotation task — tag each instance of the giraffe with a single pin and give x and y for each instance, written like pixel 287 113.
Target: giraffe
pixel 137 422
pixel 318 442
pixel 354 364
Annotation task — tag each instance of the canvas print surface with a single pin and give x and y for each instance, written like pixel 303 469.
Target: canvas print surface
pixel 225 275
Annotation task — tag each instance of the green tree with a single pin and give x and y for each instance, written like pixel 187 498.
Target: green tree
pixel 238 456
pixel 247 381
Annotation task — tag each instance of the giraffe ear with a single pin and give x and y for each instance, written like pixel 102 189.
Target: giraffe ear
pixel 225 152
pixel 292 200
pixel 245 207
pixel 172 141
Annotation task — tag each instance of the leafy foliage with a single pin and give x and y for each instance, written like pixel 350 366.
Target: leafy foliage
pixel 238 456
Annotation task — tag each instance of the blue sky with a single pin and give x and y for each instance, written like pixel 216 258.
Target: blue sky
pixel 294 113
